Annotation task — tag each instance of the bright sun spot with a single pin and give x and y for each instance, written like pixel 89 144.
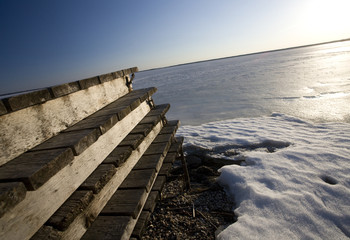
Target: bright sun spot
pixel 327 16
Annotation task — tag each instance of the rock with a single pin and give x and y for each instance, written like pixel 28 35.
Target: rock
pixel 193 161
pixel 220 162
pixel 206 171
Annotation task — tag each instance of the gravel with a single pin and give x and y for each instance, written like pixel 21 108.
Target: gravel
pixel 198 213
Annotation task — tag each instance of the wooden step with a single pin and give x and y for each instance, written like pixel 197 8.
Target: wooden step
pixel 141 224
pixel 153 196
pixel 103 182
pixel 53 170
pixel 130 198
pixel 173 153
pixel 151 200
pixel 77 140
pixel 66 214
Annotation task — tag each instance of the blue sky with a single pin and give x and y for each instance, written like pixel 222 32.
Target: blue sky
pixel 44 43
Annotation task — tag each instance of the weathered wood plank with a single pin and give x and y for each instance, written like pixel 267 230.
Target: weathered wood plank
pixel 118 156
pixel 177 145
pixel 150 92
pixel 151 200
pixel 149 162
pixel 159 183
pixel 120 111
pixel 158 148
pixel 143 95
pixel 78 227
pixel 151 120
pixel 132 140
pixel 125 202
pixel 127 71
pixel 135 103
pixel 165 169
pixel 104 123
pixel 109 228
pixel 139 179
pixel 106 77
pixel 3 109
pixel 170 157
pixel 39 205
pixel 118 74
pixel 127 100
pixel 99 178
pixel 163 138
pixel 123 106
pixel 47 233
pixel 139 95
pixel 89 82
pixel 36 168
pixel 77 140
pixel 47 119
pixel 71 208
pixel 28 99
pixel 143 129
pixel 160 110
pixel 65 89
pixel 10 195
pixel 169 130
pixel 134 69
pixel 141 224
pixel 173 123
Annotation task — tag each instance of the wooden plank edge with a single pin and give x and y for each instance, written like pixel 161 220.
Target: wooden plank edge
pixel 55 116
pixel 34 97
pixel 28 216
pixel 79 226
pixel 132 223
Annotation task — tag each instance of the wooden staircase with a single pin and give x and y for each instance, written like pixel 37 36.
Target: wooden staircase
pixel 83 160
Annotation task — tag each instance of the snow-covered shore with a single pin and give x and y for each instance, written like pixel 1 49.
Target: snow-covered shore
pixel 295 182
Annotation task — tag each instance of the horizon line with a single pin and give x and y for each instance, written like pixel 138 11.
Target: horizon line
pixel 248 54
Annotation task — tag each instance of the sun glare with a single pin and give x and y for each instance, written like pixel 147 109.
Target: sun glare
pixel 327 16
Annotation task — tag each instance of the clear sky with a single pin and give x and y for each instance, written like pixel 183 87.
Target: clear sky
pixel 48 42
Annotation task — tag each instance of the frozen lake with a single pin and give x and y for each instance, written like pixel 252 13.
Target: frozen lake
pixel 311 83
pixel 287 114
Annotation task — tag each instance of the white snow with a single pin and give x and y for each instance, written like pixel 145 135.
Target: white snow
pixel 295 183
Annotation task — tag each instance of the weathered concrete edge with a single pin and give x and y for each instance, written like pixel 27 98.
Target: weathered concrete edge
pixel 14 103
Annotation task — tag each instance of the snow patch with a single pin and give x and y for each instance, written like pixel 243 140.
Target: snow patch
pixel 295 181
